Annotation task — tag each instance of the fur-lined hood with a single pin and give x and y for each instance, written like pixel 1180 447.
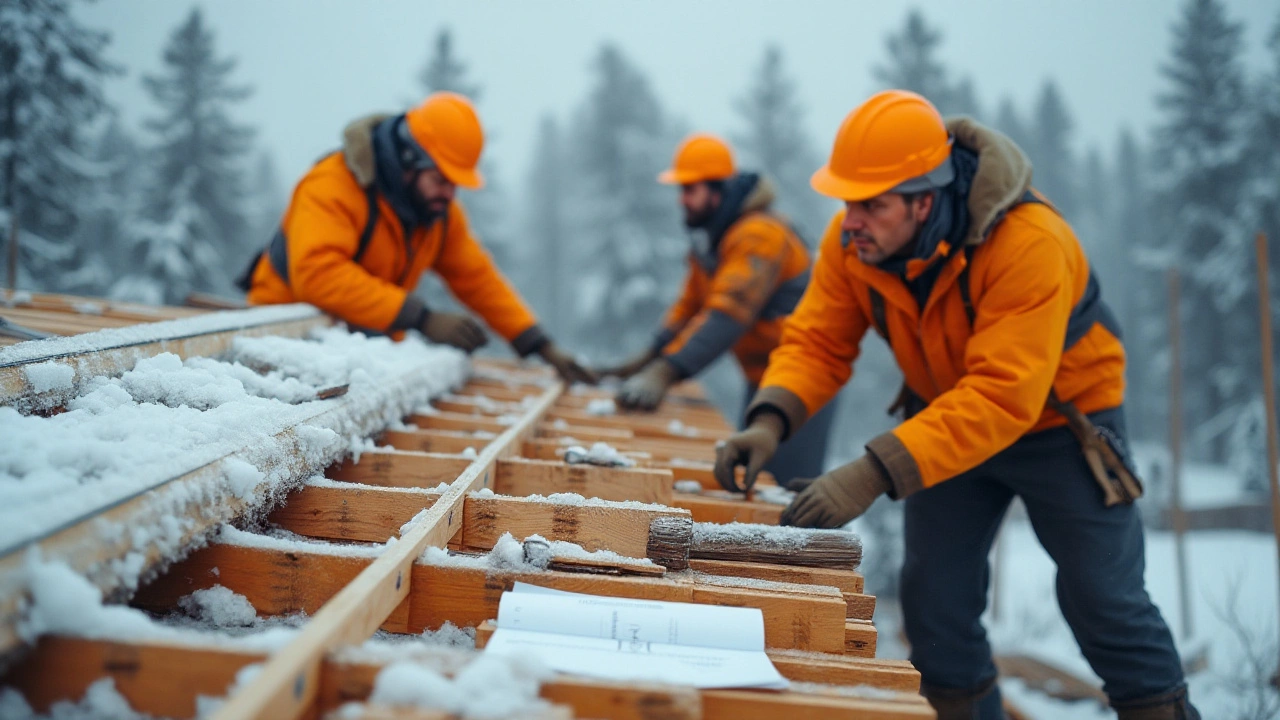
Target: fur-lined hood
pixel 1002 179
pixel 357 148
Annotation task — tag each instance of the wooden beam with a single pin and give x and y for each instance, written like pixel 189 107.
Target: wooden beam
pixel 728 509
pixel 847 581
pixel 756 705
pixel 582 434
pixel 543 449
pixel 434 441
pixel 639 425
pixel 860 638
pixel 358 513
pixel 602 526
pixel 400 468
pixel 288 681
pixel 157 678
pixel 520 476
pixel 469 596
pixel 704 473
pixel 470 405
pixel 457 422
pixel 350 512
pixel 114 352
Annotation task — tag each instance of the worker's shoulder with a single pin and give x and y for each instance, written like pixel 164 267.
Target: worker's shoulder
pixel 758 227
pixel 331 178
pixel 1032 238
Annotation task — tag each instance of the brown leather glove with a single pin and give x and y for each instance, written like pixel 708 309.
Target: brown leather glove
pixel 566 366
pixel 453 329
pixel 752 447
pixel 839 496
pixel 645 389
pixel 628 368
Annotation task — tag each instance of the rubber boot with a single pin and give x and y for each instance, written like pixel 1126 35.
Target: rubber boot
pixel 980 703
pixel 1172 705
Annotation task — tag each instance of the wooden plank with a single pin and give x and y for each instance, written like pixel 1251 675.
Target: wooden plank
pixel 157 678
pixel 400 468
pixel 582 434
pixel 1049 679
pixel 638 425
pixel 356 513
pixel 275 582
pixel 350 513
pixel 728 509
pixel 760 705
pixel 859 638
pixel 543 449
pixel 519 476
pixel 469 596
pixel 434 441
pixel 471 405
pixel 847 581
pixel 114 355
pixel 288 682
pixel 457 422
pixel 614 527
pixel 704 473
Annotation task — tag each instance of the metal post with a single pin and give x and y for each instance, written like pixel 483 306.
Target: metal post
pixel 1175 449
pixel 13 250
pixel 1269 383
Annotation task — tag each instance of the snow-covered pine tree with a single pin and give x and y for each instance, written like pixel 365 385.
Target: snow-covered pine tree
pixel 773 141
pixel 1202 146
pixel 1010 122
pixel 445 72
pixel 545 224
pixel 1051 153
pixel 913 65
pixel 194 234
pixel 51 73
pixel 109 209
pixel 627 224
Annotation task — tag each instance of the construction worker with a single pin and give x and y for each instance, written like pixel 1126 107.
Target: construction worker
pixel 747 271
pixel 1014 384
pixel 367 220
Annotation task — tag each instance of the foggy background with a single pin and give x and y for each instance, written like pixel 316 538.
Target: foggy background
pixel 148 149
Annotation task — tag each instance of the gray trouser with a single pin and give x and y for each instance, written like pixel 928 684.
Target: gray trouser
pixel 804 453
pixel 1099 552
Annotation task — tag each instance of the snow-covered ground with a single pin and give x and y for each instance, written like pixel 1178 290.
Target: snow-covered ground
pixel 1232 586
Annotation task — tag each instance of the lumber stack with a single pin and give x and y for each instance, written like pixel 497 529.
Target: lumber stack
pixel 417 534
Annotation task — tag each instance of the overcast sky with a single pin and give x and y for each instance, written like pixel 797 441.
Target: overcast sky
pixel 315 64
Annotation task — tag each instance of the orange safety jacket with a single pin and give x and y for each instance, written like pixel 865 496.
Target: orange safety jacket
pixel 740 289
pixel 343 248
pixel 985 382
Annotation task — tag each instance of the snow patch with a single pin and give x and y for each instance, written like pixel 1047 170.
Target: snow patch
pixel 220 606
pixel 47 376
pixel 601 453
pixel 490 686
pixel 601 407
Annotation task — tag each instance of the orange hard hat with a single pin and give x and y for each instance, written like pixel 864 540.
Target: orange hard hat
pixel 447 129
pixel 701 157
pixel 896 140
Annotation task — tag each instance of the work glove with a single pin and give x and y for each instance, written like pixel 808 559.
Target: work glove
pixel 838 496
pixel 752 447
pixel 645 389
pixel 566 366
pixel 628 368
pixel 453 329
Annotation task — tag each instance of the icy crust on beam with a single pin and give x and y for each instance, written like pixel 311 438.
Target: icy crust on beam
pixel 509 554
pixel 749 534
pixel 285 541
pixel 153 332
pixel 204 439
pixel 572 499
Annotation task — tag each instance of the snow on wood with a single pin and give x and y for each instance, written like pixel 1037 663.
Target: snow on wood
pixel 133 473
pixel 114 351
